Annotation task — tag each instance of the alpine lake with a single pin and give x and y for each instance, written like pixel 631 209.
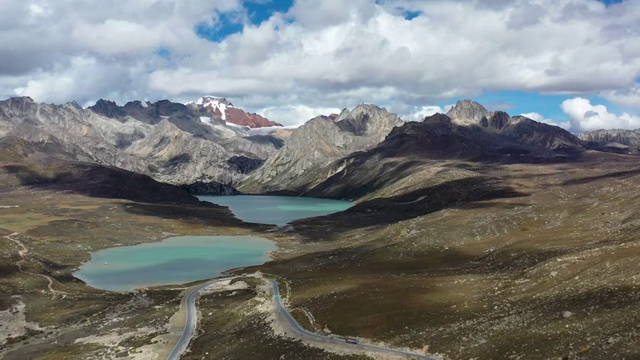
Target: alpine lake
pixel 185 259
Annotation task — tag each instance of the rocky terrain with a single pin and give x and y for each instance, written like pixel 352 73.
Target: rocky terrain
pixel 165 140
pixel 345 162
pixel 308 152
pixel 618 141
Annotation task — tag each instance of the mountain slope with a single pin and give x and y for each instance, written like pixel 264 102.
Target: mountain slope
pixel 409 158
pixel 316 144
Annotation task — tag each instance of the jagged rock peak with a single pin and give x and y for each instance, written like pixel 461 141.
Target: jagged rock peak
pixel 140 103
pixel 367 119
pixel 438 123
pixel 361 109
pixel 19 101
pixel 22 99
pixel 468 112
pixel 497 120
pixel 437 118
pixel 73 104
pixel 19 104
pixel 108 108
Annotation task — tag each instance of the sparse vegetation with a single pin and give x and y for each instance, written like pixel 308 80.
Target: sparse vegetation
pixel 469 260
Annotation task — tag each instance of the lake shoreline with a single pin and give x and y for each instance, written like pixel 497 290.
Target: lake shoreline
pixel 173 261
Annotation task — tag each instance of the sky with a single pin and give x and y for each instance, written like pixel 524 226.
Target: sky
pixel 571 63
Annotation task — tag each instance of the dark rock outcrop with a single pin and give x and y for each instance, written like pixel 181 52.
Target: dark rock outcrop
pixel 243 164
pixel 108 109
pixel 210 188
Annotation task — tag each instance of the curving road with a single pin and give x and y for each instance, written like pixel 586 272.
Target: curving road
pixel 308 335
pixel 295 328
pixel 191 318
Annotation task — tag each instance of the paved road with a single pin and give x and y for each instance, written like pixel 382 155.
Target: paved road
pixel 191 319
pixel 304 334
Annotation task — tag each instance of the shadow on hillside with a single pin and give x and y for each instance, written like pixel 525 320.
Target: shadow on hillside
pixel 150 198
pixel 207 215
pixel 351 185
pixel 613 175
pixel 451 194
pixel 374 260
pixel 98 181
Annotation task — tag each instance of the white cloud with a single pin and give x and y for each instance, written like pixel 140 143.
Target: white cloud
pixel 419 113
pixel 322 54
pixel 585 117
pixel 295 114
pixel 629 98
pixel 115 37
pixel 538 117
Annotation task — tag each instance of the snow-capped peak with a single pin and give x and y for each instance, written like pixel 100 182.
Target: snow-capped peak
pixel 211 100
pixel 214 103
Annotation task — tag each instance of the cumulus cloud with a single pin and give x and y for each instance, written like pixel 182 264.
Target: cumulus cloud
pixel 629 98
pixel 419 113
pixel 585 117
pixel 323 54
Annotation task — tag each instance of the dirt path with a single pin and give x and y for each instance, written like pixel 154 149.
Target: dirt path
pixel 23 252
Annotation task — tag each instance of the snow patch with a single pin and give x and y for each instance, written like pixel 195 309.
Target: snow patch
pixel 221 107
pixel 206 120
pixel 230 124
pixel 269 129
pixel 13 322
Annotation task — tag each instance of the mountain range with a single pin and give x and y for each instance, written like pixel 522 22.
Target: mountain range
pixel 210 141
pixel 168 141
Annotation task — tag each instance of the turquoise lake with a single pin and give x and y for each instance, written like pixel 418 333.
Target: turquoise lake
pixel 173 261
pixel 277 210
pixel 189 258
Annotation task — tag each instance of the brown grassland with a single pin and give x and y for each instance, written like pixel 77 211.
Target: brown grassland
pixel 547 269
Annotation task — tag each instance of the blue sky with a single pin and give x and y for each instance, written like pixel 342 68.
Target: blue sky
pixel 292 60
pixel 520 102
pixel 254 13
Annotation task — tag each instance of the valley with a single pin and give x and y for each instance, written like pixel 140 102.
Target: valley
pixel 473 235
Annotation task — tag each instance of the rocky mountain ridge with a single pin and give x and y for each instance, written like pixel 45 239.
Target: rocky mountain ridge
pixel 319 142
pixel 163 139
pixel 613 140
pixel 173 143
pixel 408 151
